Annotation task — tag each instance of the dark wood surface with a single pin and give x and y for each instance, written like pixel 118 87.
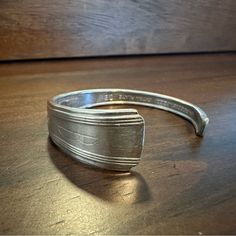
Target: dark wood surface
pixel 77 28
pixel 183 185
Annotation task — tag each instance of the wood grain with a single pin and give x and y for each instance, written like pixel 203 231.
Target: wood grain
pixel 183 185
pixel 78 28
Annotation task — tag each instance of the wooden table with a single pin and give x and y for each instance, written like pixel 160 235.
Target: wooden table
pixel 183 185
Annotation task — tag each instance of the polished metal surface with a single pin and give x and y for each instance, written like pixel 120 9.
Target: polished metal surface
pixel 110 139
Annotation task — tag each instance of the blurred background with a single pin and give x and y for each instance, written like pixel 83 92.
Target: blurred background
pixel 79 28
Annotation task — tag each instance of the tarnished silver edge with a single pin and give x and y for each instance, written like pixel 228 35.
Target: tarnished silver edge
pixel 115 113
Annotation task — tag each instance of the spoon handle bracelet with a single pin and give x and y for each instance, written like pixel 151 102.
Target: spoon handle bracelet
pixel 110 138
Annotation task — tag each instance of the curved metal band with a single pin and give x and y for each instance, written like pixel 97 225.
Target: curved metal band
pixel 110 138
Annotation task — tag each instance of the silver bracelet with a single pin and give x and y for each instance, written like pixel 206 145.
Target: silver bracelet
pixel 110 138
